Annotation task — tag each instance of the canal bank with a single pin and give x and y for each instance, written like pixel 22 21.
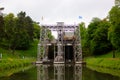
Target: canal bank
pixel 111 63
pixel 6 64
pixel 105 63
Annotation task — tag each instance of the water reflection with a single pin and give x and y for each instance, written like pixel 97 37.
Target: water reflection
pixel 59 72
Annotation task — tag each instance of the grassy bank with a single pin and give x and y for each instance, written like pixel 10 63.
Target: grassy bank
pixel 111 63
pixel 19 59
pixel 114 72
pixel 105 63
pixel 8 72
pixel 31 52
pixel 6 64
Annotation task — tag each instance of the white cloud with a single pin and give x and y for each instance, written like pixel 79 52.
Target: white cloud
pixel 59 10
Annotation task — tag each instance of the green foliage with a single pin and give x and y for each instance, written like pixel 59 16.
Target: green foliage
pixel 90 33
pixel 1 29
pixel 36 30
pixel 100 43
pixel 7 64
pixel 31 52
pixel 24 34
pixel 96 37
pixel 114 30
pixel 83 31
pixel 18 31
pixel 9 30
pixel 49 34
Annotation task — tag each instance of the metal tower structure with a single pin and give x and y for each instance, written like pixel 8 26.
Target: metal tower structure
pixel 60 42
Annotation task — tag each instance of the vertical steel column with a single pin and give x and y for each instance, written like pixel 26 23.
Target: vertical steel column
pixel 78 48
pixel 54 50
pixel 59 57
pixel 45 44
pixel 41 47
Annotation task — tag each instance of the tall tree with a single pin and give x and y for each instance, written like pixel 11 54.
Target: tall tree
pixel 83 38
pixel 29 27
pixel 1 28
pixel 9 29
pixel 90 31
pixel 114 30
pixel 100 42
pixel 24 26
pixel 36 30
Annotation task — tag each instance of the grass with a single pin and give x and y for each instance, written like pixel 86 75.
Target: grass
pixel 110 55
pixel 19 59
pixel 6 64
pixel 31 52
pixel 114 72
pixel 14 68
pixel 105 63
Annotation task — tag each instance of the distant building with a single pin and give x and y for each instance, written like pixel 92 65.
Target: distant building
pixel 117 2
pixel 1 14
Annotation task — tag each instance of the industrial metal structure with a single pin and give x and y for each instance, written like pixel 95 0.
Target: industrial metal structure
pixel 66 48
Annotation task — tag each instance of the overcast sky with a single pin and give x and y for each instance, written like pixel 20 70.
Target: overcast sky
pixel 53 11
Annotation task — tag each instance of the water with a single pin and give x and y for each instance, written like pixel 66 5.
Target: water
pixel 59 72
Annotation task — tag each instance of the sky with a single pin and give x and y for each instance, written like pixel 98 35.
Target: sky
pixel 53 11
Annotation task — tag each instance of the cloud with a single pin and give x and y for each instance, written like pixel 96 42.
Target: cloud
pixel 59 10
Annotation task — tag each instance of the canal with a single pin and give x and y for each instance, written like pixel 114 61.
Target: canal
pixel 59 72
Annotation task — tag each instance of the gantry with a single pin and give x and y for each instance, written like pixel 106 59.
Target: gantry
pixel 68 42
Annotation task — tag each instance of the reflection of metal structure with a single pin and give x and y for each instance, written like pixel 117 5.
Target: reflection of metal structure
pixel 59 72
pixel 64 40
pixel 42 72
pixel 78 72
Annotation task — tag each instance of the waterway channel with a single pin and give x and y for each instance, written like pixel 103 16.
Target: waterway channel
pixel 59 72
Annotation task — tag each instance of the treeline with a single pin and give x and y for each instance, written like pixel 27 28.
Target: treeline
pixel 102 36
pixel 18 32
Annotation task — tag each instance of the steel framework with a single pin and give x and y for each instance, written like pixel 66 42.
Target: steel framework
pixel 59 56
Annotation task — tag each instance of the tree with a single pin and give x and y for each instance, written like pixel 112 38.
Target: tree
pixel 114 30
pixel 9 29
pixel 90 33
pixel 49 34
pixel 36 30
pixel 1 28
pixel 100 42
pixel 28 23
pixel 24 26
pixel 83 38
